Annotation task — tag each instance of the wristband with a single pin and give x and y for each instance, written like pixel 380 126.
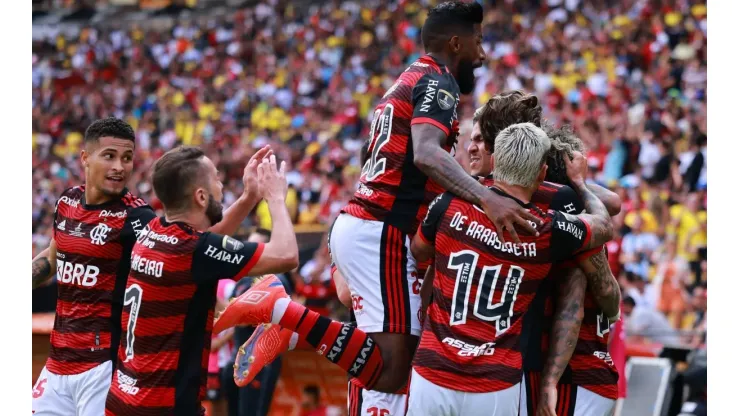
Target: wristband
pixel 615 318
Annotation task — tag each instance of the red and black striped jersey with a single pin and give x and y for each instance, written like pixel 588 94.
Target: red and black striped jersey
pixel 392 189
pixel 482 288
pixel 94 245
pixel 168 317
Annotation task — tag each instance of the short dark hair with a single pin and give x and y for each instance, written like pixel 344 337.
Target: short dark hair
pixel 175 175
pixel 449 19
pixel 629 301
pixel 505 109
pixel 109 127
pixel 563 142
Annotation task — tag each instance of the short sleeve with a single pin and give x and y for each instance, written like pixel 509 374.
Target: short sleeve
pixel 430 225
pixel 222 257
pixel 435 102
pixel 569 235
pixel 566 200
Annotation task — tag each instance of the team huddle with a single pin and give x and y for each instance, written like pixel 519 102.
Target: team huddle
pixel 485 292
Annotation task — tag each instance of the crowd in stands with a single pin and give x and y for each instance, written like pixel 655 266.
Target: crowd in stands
pixel 629 76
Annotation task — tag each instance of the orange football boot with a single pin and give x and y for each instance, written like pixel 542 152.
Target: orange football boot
pixel 253 306
pixel 266 343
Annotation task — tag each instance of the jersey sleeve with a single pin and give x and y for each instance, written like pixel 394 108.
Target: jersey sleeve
pixel 566 200
pixel 430 225
pixel 569 235
pixel 434 101
pixel 136 220
pixel 222 257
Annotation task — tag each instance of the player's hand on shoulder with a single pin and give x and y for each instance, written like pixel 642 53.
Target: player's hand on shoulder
pixel 271 181
pixel 576 168
pixel 249 179
pixel 505 213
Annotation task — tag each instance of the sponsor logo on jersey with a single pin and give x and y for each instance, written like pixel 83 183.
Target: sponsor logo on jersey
pixel 138 228
pixel 99 233
pixel 571 228
pixel 469 350
pixel 231 244
pixel 215 253
pixel 146 266
pixel 106 214
pixel 360 361
pixel 445 99
pixel 62 225
pixel 69 201
pixel 77 231
pixel 429 95
pixel 333 354
pixel 77 274
pixel 420 64
pixel 605 357
pixel 148 238
pixel 127 384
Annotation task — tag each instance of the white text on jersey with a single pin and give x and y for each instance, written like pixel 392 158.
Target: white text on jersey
pixel 489 237
pixel 469 350
pixel 146 266
pixel 222 255
pixel 79 274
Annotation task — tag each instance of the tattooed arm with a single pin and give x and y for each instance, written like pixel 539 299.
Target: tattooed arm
pixel 441 167
pixel 563 337
pixel 596 216
pixel 601 283
pixel 44 265
pixel 611 200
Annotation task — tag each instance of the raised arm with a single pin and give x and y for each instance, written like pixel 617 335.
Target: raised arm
pixel 238 211
pixel 563 336
pixel 596 217
pixel 281 252
pixel 602 284
pixel 611 200
pixel 44 265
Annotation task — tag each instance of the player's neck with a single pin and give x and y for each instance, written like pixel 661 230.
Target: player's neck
pixel 94 196
pixel 195 220
pixel 441 58
pixel 519 192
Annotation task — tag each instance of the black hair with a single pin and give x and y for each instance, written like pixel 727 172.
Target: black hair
pixel 629 301
pixel 449 19
pixel 563 143
pixel 109 127
pixel 175 175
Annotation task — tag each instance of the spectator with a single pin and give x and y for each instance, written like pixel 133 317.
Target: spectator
pixel 645 323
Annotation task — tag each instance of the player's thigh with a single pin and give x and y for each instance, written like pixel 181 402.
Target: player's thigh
pixel 427 398
pixel 499 403
pixel 91 389
pixel 588 403
pixel 362 402
pixel 375 260
pixel 51 396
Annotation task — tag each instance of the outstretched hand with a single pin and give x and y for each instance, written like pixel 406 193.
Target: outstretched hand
pixel 271 181
pixel 251 188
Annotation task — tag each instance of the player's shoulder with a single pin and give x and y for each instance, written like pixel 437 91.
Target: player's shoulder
pixel 132 201
pixel 73 192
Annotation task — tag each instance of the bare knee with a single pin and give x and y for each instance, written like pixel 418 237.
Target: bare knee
pixel 397 351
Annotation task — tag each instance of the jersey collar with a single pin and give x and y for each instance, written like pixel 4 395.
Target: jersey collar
pixel 104 204
pixel 518 201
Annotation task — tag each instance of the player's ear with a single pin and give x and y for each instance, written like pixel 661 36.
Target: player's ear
pixel 543 173
pixel 454 44
pixel 84 158
pixel 201 197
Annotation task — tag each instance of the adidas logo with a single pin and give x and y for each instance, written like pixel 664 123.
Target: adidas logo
pixel 62 225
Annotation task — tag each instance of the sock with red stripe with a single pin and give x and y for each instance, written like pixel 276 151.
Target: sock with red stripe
pixel 342 344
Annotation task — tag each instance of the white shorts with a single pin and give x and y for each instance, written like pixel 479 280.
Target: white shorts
pixel 426 398
pixel 81 394
pixel 361 402
pixel 572 401
pixel 375 260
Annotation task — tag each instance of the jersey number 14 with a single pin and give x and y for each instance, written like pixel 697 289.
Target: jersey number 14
pixel 464 262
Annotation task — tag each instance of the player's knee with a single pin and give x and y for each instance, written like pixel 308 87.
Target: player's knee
pixel 397 351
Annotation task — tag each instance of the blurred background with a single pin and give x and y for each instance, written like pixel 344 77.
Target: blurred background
pixel 232 76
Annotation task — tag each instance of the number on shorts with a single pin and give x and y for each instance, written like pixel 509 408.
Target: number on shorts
pixel 464 263
pixel 602 325
pixel 38 389
pixel 380 135
pixel 376 411
pixel 132 297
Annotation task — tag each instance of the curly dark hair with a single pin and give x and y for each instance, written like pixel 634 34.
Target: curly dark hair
pixel 563 142
pixel 109 127
pixel 505 109
pixel 449 19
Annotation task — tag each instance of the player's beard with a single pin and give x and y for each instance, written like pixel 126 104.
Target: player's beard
pixel 465 76
pixel 214 210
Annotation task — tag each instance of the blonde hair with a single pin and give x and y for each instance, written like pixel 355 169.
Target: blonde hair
pixel 520 151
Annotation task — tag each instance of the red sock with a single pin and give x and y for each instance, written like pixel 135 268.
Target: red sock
pixel 342 344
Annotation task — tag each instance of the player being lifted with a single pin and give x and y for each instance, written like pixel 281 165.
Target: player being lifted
pixel 95 227
pixel 588 382
pixel 474 333
pixel 171 290
pixel 413 131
